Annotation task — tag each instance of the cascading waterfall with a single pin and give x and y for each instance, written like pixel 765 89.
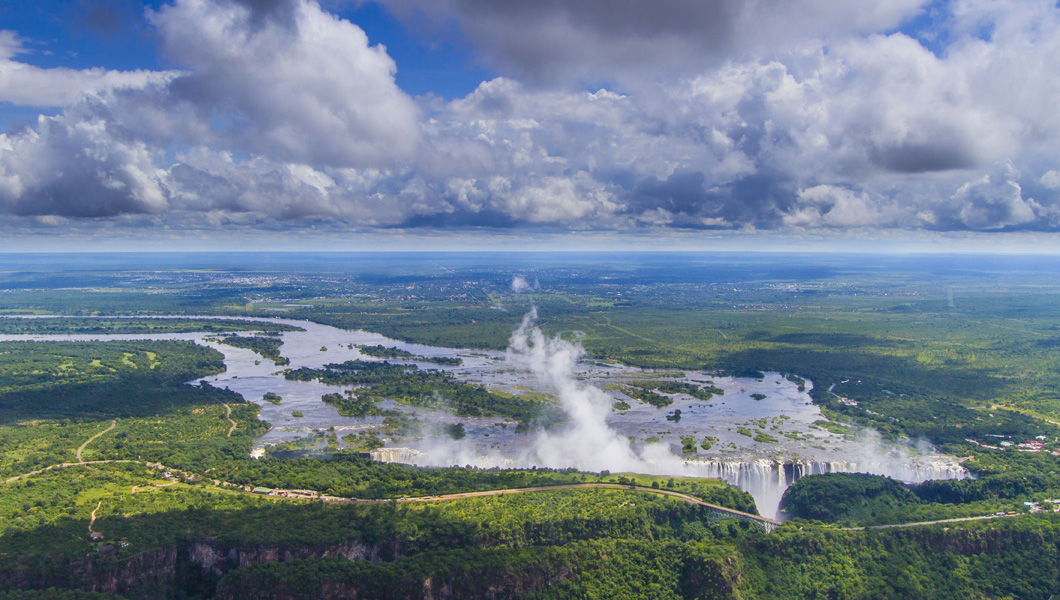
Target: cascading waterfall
pixel 767 479
pixel 395 455
pixel 590 443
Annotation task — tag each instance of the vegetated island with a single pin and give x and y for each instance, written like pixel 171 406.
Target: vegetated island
pixel 380 351
pixel 427 388
pixel 266 345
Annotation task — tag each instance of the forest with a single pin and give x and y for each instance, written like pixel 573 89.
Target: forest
pixel 267 346
pixel 120 478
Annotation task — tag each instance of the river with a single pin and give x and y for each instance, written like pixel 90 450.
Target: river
pixel 786 440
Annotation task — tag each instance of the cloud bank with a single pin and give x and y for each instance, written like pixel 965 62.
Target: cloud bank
pixel 722 115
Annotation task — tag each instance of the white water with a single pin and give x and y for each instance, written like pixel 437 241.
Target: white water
pixel 597 437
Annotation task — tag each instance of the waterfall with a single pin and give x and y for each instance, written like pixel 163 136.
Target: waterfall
pixel 395 455
pixel 767 479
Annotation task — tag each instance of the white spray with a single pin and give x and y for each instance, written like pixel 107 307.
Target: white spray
pixel 587 443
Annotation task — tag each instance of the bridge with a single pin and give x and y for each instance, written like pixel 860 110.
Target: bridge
pixel 720 513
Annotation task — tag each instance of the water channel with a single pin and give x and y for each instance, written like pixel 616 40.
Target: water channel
pixel 599 437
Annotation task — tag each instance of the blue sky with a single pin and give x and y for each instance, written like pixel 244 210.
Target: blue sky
pixel 115 35
pixel 603 122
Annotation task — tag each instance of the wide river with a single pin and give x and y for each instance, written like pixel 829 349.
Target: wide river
pixel 760 445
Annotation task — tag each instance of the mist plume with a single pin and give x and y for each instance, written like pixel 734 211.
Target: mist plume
pixel 587 442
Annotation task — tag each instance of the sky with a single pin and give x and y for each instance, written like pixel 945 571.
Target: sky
pixel 545 124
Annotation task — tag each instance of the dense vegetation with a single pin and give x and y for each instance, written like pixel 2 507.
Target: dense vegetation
pixel 105 325
pixel 859 499
pixel 265 345
pixel 658 393
pixel 427 388
pixel 877 339
pixel 1009 558
pixel 380 351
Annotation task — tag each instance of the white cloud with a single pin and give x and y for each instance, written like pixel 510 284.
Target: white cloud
pixel 832 206
pixel 311 90
pixel 993 201
pixel 25 84
pixel 77 168
pixel 286 115
pixel 1051 180
pixel 296 96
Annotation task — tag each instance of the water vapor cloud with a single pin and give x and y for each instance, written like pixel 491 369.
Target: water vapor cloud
pixel 589 443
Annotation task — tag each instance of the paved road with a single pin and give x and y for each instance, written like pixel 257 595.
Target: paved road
pixel 922 523
pixel 678 495
pixel 568 486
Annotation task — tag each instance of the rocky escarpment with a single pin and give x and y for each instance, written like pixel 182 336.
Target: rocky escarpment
pixel 207 569
pixel 218 559
pixel 195 565
pixel 570 571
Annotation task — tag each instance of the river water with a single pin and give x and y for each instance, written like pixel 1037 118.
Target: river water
pixel 639 439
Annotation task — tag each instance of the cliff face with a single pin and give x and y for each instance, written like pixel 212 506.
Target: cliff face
pixel 597 569
pixel 150 572
pixel 488 584
pixel 160 573
pixel 785 564
pixel 211 558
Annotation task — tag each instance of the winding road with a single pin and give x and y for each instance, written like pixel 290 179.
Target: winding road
pixel 769 523
pixel 573 486
pixel 228 415
pixel 92 534
pixel 113 424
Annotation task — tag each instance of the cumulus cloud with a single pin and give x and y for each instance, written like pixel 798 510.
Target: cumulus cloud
pixel 283 82
pixel 304 86
pixel 284 115
pixel 78 169
pixel 24 84
pixel 993 201
pixel 833 206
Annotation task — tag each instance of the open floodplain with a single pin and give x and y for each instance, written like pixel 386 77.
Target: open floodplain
pixel 198 426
